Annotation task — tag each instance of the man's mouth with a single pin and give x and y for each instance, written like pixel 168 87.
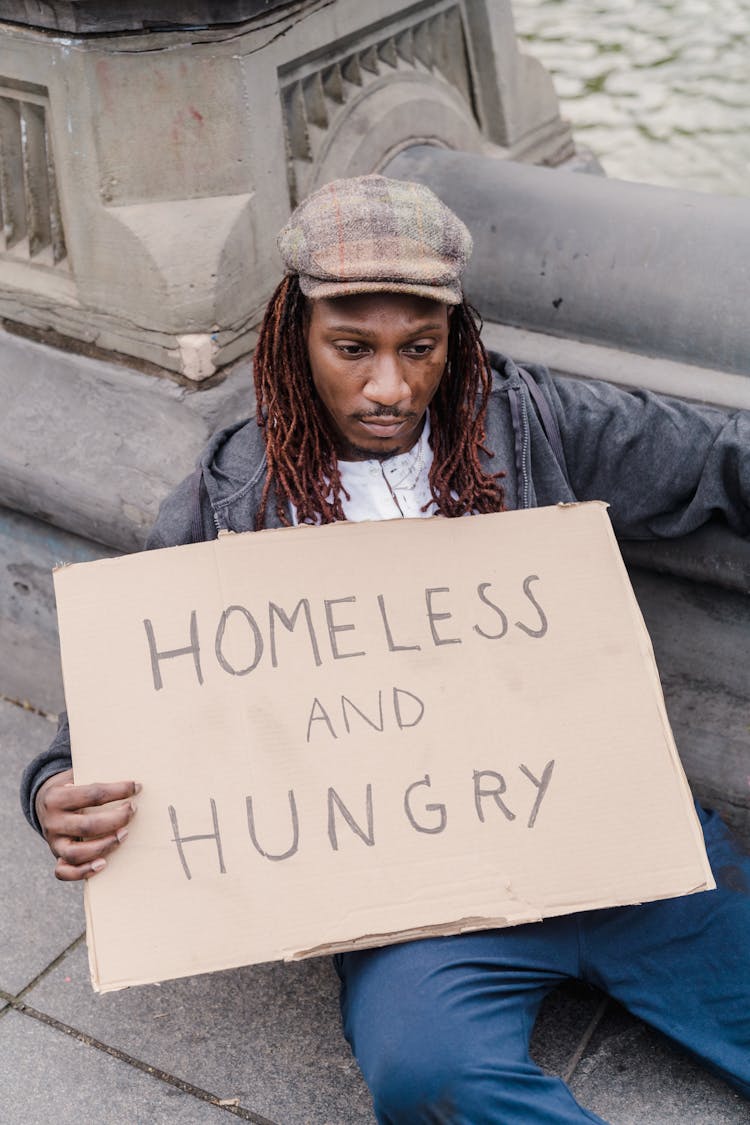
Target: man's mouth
pixel 385 425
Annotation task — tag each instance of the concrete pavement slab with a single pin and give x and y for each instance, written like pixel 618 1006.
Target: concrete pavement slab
pixel 269 1035
pixel 632 1075
pixel 565 1017
pixel 46 1076
pixel 40 917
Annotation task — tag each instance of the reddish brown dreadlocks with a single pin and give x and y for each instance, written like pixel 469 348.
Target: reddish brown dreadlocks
pixel 302 466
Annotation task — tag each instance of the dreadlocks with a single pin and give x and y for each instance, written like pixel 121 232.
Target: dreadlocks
pixel 302 465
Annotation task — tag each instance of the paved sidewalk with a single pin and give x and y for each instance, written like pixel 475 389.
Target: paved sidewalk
pixel 261 1044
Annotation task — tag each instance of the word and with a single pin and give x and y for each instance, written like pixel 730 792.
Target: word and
pixel 425 817
pixel 243 640
pixel 408 711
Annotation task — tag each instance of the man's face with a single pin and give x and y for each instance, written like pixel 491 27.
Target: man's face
pixel 376 360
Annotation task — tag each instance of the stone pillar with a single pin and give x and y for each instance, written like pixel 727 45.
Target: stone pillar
pixel 144 176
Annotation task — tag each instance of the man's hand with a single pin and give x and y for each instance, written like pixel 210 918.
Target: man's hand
pixel 83 823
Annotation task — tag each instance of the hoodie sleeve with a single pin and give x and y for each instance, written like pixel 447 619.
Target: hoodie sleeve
pixel 45 765
pixel 184 516
pixel 664 466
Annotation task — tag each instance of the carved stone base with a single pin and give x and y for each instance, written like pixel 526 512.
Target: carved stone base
pixel 144 177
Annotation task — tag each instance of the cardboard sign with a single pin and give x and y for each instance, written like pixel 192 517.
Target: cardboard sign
pixel 361 733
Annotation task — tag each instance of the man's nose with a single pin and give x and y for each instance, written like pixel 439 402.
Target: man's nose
pixel 385 383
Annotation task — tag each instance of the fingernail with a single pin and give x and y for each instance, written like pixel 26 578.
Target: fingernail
pixel 138 787
pixel 121 834
pixel 98 864
pixel 134 807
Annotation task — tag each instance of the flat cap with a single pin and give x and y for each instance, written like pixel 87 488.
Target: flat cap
pixel 370 234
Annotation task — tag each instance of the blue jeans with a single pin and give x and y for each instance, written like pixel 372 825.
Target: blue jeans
pixel 441 1027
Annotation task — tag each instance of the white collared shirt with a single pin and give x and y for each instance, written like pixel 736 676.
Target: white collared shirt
pixel 390 489
pixel 398 487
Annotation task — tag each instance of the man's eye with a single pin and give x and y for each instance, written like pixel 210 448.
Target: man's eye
pixel 351 349
pixel 419 349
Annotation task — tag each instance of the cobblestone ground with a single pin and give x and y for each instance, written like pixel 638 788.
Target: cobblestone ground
pixel 658 89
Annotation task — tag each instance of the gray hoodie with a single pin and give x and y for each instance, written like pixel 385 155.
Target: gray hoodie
pixel 664 466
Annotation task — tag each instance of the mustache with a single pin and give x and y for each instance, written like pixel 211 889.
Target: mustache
pixel 385 412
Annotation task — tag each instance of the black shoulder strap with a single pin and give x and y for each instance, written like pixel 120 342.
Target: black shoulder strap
pixel 547 417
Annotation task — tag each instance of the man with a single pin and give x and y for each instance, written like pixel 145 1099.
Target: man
pixel 376 399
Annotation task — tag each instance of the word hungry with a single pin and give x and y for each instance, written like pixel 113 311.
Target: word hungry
pixel 488 789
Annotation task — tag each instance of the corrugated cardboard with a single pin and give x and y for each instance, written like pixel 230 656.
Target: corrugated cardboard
pixel 354 734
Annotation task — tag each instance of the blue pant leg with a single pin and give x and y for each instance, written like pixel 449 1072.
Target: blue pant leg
pixel 683 964
pixel 441 1027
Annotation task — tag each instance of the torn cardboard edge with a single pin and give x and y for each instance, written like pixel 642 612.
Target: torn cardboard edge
pixel 467 926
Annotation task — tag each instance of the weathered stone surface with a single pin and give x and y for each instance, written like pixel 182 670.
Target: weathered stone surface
pixel 520 112
pixel 582 359
pixel 588 258
pixel 700 638
pixel 156 216
pixel 633 1076
pixel 565 1017
pixel 50 1076
pixel 713 555
pixel 40 917
pixel 29 645
pixel 92 447
pixel 269 1035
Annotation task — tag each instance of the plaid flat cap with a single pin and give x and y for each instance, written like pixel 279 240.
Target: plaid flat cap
pixel 370 234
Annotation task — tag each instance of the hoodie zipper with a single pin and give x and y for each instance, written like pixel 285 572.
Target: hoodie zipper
pixel 520 418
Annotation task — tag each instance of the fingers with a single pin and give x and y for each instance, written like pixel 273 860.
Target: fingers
pixel 80 860
pixel 67 873
pixel 76 852
pixel 70 797
pixel 91 824
pixel 82 824
pixel 82 842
